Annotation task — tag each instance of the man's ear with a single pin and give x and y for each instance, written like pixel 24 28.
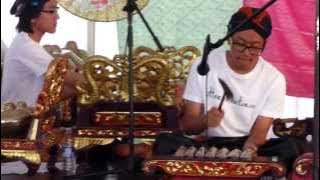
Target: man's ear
pixel 229 41
pixel 264 44
pixel 33 20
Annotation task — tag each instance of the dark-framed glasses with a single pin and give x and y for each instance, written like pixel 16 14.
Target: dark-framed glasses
pixel 51 11
pixel 254 51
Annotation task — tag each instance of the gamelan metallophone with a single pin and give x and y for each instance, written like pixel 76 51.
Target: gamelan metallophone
pixel 213 163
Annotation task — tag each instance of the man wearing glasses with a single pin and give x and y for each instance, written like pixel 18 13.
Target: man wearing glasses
pixel 258 90
pixel 26 60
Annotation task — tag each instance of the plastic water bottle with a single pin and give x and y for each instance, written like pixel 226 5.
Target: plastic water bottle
pixel 69 159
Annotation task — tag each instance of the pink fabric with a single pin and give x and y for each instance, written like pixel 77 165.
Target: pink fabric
pixel 291 46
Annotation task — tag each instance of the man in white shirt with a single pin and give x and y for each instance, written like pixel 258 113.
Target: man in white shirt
pixel 258 89
pixel 26 60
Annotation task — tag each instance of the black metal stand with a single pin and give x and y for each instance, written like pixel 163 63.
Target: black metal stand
pixel 155 38
pixel 130 7
pixel 131 4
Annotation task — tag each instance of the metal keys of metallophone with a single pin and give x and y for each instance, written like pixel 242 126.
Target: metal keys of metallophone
pixel 213 152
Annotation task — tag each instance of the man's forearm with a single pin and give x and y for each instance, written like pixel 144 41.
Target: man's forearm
pixel 254 143
pixel 193 124
pixel 258 133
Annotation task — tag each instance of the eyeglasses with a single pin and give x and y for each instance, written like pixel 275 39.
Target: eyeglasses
pixel 52 11
pixel 254 51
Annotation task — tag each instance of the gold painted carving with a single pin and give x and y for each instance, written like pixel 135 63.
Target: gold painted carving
pixel 212 168
pixel 53 86
pixel 121 118
pixel 81 142
pixel 156 75
pixel 26 155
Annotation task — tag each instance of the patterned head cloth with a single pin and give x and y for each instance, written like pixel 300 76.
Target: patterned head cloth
pixel 261 23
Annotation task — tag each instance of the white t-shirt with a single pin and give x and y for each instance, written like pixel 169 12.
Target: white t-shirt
pixel 3 51
pixel 259 92
pixel 24 68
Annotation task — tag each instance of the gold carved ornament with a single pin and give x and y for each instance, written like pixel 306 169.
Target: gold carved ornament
pixel 179 63
pixel 156 75
pixel 25 150
pixel 28 150
pixel 108 80
pixel 51 98
pixel 203 168
pixel 87 136
pixel 53 85
pixel 103 78
pixel 116 118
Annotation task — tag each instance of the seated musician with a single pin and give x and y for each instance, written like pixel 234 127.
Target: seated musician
pixel 27 61
pixel 72 46
pixel 258 90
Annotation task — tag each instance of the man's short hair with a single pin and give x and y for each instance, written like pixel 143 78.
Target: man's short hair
pixel 26 10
